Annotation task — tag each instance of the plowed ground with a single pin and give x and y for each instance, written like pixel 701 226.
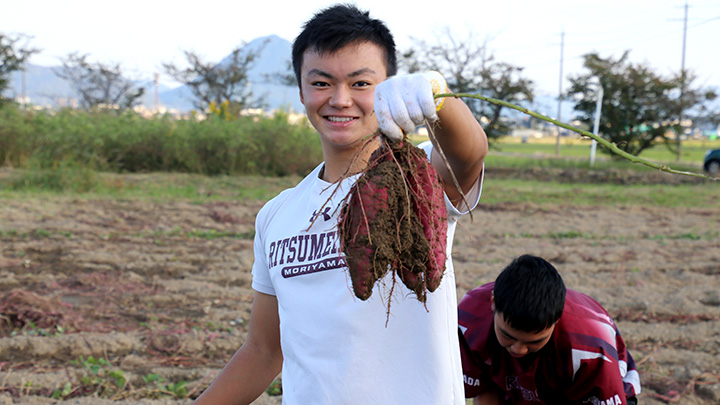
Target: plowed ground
pixel 159 293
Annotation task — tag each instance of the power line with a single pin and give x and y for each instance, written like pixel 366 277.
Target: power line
pixel 705 22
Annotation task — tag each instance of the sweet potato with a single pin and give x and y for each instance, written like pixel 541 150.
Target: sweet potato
pixel 366 225
pixel 429 205
pixel 394 220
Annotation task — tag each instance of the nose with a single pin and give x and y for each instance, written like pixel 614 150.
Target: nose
pixel 518 349
pixel 341 98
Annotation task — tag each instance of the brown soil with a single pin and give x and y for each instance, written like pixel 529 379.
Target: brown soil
pixel 164 289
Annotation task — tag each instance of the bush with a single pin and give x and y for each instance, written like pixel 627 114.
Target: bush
pixel 17 135
pixel 127 142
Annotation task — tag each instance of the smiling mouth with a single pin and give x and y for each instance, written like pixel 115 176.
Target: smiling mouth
pixel 339 119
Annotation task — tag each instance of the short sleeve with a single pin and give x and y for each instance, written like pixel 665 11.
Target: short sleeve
pixel 472 197
pixel 261 280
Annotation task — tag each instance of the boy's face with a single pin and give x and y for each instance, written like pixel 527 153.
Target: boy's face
pixel 338 91
pixel 519 343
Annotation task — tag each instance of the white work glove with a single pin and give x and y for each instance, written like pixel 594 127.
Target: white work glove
pixel 403 102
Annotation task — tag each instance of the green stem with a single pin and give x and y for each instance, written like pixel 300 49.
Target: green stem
pixel 607 144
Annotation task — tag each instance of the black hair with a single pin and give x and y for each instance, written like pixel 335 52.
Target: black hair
pixel 529 294
pixel 337 26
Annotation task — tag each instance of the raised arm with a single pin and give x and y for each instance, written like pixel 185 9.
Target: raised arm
pixel 405 101
pixel 258 361
pixel 463 143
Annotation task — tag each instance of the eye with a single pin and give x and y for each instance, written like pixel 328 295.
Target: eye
pixel 361 83
pixel 319 84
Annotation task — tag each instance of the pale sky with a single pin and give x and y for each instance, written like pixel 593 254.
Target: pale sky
pixel 141 35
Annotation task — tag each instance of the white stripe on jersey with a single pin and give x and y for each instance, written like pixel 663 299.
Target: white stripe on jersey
pixel 579 355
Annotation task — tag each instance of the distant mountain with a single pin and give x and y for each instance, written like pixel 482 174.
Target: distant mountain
pixel 273 60
pixel 43 87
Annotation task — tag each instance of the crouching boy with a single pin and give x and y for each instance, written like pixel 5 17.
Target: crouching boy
pixel 526 339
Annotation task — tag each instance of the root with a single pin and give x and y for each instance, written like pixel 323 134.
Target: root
pixel 406 194
pixel 436 144
pixel 345 175
pixel 402 173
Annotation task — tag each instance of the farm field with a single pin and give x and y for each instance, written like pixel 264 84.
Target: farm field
pixel 143 300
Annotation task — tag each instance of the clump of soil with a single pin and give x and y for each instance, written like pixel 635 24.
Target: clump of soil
pixel 394 221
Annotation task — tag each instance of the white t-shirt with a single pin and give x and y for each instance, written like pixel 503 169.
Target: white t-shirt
pixel 337 349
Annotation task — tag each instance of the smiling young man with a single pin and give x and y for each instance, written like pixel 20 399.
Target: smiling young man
pixel 332 347
pixel 526 339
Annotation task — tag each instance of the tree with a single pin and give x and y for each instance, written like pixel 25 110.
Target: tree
pixel 99 85
pixel 639 107
pixel 217 84
pixel 283 79
pixel 467 68
pixel 12 58
pixel 502 81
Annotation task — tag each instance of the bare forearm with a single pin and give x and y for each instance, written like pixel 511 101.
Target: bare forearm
pixel 463 142
pixel 488 398
pixel 458 126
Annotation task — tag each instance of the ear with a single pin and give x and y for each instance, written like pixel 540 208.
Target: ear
pixel 492 302
pixel 302 99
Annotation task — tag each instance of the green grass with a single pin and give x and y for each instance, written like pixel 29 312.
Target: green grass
pixel 35 234
pixel 151 186
pixel 574 148
pixel 543 193
pixel 198 234
pixel 593 238
pixel 200 189
pixel 75 181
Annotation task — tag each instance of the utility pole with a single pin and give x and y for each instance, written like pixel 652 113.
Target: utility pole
pixel 682 84
pixel 596 124
pixel 157 92
pixel 559 112
pixel 24 86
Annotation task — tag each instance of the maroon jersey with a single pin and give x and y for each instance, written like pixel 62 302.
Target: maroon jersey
pixel 585 361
